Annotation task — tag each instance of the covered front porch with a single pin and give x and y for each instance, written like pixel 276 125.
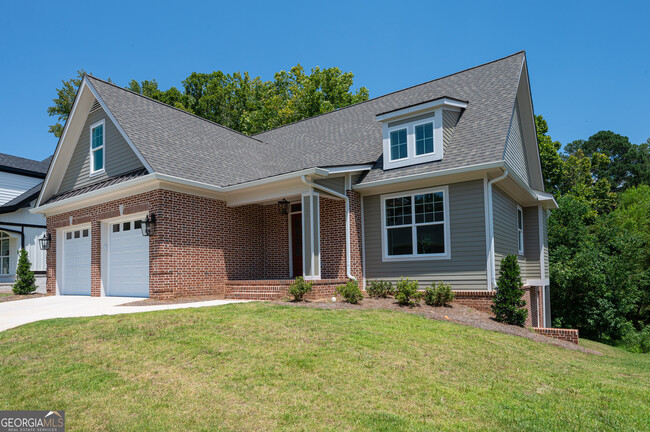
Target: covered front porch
pixel 305 233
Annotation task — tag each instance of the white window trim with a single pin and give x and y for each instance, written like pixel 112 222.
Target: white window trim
pixel 446 223
pixel 8 238
pixel 419 123
pixel 435 117
pixel 102 123
pixel 408 142
pixel 520 231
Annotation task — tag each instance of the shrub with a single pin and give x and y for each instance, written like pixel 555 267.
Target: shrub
pixel 636 341
pixel 25 281
pixel 438 295
pixel 508 305
pixel 299 288
pixel 380 289
pixel 350 292
pixel 406 292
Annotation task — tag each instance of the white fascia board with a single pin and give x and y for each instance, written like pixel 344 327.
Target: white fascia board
pixel 427 106
pixel 547 200
pixel 349 169
pixel 433 174
pixel 119 127
pixel 543 198
pixel 43 209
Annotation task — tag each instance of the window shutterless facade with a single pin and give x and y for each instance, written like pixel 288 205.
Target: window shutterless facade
pixel 97 147
pixel 415 225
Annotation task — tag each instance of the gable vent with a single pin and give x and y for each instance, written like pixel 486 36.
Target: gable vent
pixel 95 106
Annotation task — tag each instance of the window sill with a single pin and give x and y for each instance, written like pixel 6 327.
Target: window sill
pixel 96 173
pixel 416 257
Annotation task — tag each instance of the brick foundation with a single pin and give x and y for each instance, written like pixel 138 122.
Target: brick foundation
pixel 479 300
pixel 569 335
pixel 278 289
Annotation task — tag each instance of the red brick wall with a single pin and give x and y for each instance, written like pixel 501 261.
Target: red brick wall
pixel 570 335
pixel 479 300
pixel 200 243
pixel 356 235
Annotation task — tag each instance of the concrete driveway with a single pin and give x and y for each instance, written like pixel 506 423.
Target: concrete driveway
pixel 19 312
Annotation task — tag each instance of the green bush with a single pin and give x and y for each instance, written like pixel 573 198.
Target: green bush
pixel 350 292
pixel 406 292
pixel 439 294
pixel 25 281
pixel 380 289
pixel 299 288
pixel 636 341
pixel 508 305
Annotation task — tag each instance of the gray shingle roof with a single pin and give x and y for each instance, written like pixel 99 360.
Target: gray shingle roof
pixel 18 164
pixel 180 144
pixel 22 200
pixel 352 135
pixel 184 145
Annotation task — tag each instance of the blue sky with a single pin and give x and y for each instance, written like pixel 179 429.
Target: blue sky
pixel 589 62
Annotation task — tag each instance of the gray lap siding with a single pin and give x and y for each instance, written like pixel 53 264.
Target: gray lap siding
pixel 465 270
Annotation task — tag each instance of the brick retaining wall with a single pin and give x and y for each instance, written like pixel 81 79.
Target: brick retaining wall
pixel 570 335
pixel 278 289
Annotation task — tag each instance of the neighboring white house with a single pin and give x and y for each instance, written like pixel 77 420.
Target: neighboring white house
pixel 20 183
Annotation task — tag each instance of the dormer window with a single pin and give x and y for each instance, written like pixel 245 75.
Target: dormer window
pixel 97 154
pixel 414 134
pixel 398 145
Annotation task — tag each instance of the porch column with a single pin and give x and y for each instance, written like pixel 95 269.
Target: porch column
pixel 311 234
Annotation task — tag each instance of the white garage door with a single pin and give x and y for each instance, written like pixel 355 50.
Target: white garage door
pixel 76 262
pixel 128 260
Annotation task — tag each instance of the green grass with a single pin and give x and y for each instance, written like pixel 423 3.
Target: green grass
pixel 258 366
pixel 5 294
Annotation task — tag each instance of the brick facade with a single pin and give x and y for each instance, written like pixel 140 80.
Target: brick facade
pixel 201 243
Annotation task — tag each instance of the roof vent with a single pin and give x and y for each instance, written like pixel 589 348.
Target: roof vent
pixel 95 106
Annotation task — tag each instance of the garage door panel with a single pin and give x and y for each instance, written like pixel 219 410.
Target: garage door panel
pixel 76 263
pixel 128 261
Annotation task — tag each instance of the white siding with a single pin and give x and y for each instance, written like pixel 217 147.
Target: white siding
pixel 12 185
pixel 36 256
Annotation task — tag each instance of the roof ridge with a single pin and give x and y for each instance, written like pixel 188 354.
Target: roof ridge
pixel 393 92
pixel 175 108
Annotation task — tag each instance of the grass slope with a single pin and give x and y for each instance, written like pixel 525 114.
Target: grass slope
pixel 265 367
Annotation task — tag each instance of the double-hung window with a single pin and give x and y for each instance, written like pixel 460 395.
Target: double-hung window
pixel 423 138
pixel 97 152
pixel 415 225
pixel 398 144
pixel 520 230
pixel 4 253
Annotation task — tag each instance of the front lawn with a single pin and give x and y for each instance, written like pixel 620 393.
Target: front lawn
pixel 258 366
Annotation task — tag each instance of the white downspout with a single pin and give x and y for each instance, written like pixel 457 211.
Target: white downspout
pixel 347 222
pixel 492 277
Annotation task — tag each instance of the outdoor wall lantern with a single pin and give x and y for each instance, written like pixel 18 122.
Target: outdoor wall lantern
pixel 45 241
pixel 148 225
pixel 283 206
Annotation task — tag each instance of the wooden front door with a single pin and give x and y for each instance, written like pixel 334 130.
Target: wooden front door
pixel 296 243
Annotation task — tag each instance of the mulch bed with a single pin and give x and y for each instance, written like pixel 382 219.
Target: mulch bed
pixel 454 313
pixel 14 297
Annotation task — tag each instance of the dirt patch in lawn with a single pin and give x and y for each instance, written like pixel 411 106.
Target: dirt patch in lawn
pixel 7 297
pixel 454 313
pixel 176 300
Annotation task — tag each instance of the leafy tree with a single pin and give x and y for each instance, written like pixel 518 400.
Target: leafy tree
pixel 25 281
pixel 63 103
pixel 242 103
pixel 629 164
pixel 549 155
pixel 508 304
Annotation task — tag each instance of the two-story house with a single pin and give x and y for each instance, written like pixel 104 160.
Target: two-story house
pixel 20 183
pixel 436 182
